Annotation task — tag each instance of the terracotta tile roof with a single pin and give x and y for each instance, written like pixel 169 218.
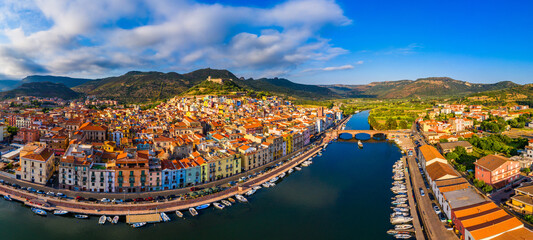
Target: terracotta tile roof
pixel 440 170
pixel 494 227
pixel 518 234
pixel 430 153
pixel 491 162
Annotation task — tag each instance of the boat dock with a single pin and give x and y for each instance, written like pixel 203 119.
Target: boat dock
pixel 419 234
pixel 147 218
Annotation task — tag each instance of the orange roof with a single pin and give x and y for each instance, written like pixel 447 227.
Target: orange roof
pixel 430 153
pixel 439 170
pixel 495 227
pixel 518 234
pixel 491 162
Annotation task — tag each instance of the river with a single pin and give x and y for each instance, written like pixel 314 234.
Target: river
pixel 343 195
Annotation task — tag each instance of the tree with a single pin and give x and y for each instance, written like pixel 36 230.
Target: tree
pixel 404 124
pixel 391 124
pixel 443 140
pixel 330 105
pixel 487 188
pixel 12 130
pixel 452 155
pixel 461 168
pixel 526 170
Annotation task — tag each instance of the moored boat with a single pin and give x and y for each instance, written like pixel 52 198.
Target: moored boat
pixel 282 175
pixel 274 179
pixel 81 216
pixel 241 198
pixel 226 202
pixel 179 214
pixel 266 185
pixel 360 144
pixel 291 170
pixel 115 220
pixel 203 206
pixel 165 217
pixel 109 219
pixel 403 227
pixel 256 187
pixel 403 236
pixel 231 200
pixel 193 212
pixel 8 198
pixel 249 193
pixel 60 212
pixel 218 205
pixel 298 168
pixel 38 211
pixel 102 220
pixel 138 225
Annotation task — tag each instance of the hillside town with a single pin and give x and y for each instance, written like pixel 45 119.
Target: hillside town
pixel 179 143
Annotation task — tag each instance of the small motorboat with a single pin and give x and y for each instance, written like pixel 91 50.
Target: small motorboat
pixel 102 220
pixel 109 219
pixel 226 202
pixel 179 214
pixel 60 212
pixel 8 198
pixel 165 217
pixel 403 227
pixel 249 193
pixel 138 225
pixel 290 171
pixel 403 236
pixel 274 179
pixel 298 168
pixel 81 216
pixel 231 200
pixel 193 212
pixel 241 198
pixel 218 205
pixel 266 185
pixel 38 211
pixel 360 144
pixel 115 220
pixel 256 187
pixel 203 206
pixel 282 175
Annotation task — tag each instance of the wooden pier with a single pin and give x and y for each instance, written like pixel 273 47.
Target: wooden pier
pixel 147 218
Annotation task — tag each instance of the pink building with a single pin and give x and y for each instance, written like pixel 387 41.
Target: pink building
pixel 497 170
pixel 25 135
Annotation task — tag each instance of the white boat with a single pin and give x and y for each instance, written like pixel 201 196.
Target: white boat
pixel 298 168
pixel 102 220
pixel 218 205
pixel 282 175
pixel 305 164
pixel 360 144
pixel 291 170
pixel 165 217
pixel 81 216
pixel 403 227
pixel 256 187
pixel 402 236
pixel 60 212
pixel 274 179
pixel 193 212
pixel 249 193
pixel 109 219
pixel 266 185
pixel 241 198
pixel 272 184
pixel 38 211
pixel 115 220
pixel 8 198
pixel 179 214
pixel 138 225
pixel 401 209
pixel 226 202
pixel 400 219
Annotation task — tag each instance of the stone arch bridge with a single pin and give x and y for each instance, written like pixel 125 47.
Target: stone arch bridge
pixel 375 133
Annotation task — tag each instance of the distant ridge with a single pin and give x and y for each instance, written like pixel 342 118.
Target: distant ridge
pixel 67 81
pixel 41 89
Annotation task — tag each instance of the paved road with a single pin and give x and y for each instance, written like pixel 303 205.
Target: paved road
pixel 434 227
pixel 412 205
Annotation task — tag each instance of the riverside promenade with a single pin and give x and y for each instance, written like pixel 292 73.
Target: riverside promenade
pixel 52 203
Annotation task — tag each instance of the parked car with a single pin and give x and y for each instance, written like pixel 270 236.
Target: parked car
pixel 138 200
pixel 422 192
pixel 105 200
pixel 79 198
pixel 436 208
pixel 194 189
pixel 149 199
pixel 128 200
pixel 442 217
pixel 92 199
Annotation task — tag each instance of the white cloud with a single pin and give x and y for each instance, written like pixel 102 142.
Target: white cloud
pixel 85 37
pixel 335 68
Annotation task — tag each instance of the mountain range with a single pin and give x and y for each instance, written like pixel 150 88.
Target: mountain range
pixel 136 86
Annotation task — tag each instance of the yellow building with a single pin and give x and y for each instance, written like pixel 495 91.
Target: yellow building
pixel 522 201
pixel 287 138
pixel 37 163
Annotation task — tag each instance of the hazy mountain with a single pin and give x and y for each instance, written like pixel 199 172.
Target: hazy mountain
pixel 6 85
pixel 41 89
pixel 67 81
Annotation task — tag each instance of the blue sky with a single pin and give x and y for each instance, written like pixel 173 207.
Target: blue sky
pixel 307 41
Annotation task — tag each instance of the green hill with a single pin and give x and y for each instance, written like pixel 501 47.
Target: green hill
pixel 41 89
pixel 212 88
pixel 423 87
pixel 286 88
pixel 67 81
pixel 6 85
